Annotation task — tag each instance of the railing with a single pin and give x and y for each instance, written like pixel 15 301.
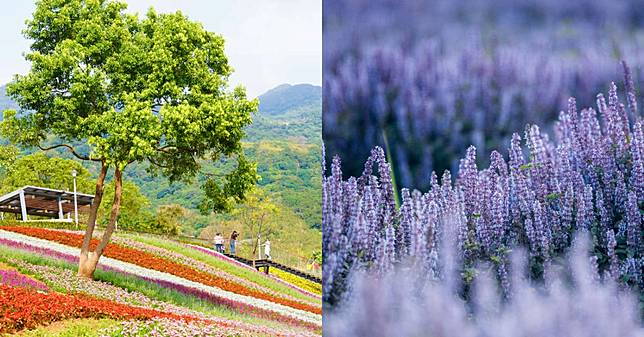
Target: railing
pixel 266 264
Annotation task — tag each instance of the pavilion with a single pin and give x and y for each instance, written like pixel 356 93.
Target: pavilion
pixel 43 202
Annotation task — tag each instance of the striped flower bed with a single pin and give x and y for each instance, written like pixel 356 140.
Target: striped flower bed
pixel 66 252
pixel 150 261
pixel 67 279
pixel 202 266
pixel 73 285
pixel 296 280
pixel 15 279
pixel 316 298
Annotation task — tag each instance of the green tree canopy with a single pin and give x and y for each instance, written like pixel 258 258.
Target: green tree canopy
pixel 151 89
pixel 40 170
pixel 169 219
pixel 8 155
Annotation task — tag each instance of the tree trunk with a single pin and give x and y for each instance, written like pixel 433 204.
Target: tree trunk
pixel 116 209
pixel 84 265
pixel 89 266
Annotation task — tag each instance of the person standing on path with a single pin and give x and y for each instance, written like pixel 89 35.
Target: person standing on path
pixel 233 241
pixel 219 243
pixel 267 250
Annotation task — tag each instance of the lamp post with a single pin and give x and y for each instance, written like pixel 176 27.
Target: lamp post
pixel 75 199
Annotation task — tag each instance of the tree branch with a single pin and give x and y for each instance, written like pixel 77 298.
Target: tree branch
pixel 70 148
pixel 167 148
pixel 156 163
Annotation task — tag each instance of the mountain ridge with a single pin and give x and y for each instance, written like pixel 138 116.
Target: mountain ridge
pixel 274 102
pixel 286 96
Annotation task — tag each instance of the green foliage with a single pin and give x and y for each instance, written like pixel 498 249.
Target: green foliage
pixel 258 215
pixel 317 257
pixel 237 182
pixel 134 89
pixel 40 170
pixel 8 155
pixel 136 214
pixel 292 240
pixel 170 218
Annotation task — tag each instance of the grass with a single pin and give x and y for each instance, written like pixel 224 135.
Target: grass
pixel 133 283
pixel 231 268
pixel 71 328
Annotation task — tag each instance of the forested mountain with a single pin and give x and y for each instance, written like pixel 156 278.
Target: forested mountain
pixel 289 113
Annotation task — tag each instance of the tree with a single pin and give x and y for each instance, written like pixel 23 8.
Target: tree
pixel 37 169
pixel 258 216
pixel 151 89
pixel 169 218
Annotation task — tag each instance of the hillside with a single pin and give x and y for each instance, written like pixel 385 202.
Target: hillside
pixel 289 112
pixel 285 142
pixel 176 286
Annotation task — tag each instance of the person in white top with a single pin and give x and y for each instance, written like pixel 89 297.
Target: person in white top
pixel 219 243
pixel 267 249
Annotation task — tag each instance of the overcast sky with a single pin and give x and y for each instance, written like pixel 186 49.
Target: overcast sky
pixel 268 42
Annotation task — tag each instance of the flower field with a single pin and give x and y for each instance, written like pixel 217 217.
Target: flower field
pixel 485 168
pixel 169 292
pixel 147 260
pixel 298 281
pixel 581 192
pixel 403 80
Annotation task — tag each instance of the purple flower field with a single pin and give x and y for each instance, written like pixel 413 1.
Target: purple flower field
pixel 425 79
pixel 448 253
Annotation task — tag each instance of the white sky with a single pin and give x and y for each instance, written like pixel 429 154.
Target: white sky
pixel 268 42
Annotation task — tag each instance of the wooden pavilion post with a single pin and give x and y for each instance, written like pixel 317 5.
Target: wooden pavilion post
pixel 23 206
pixel 61 216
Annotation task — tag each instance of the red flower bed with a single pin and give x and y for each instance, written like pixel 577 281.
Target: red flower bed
pixel 151 261
pixel 22 308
